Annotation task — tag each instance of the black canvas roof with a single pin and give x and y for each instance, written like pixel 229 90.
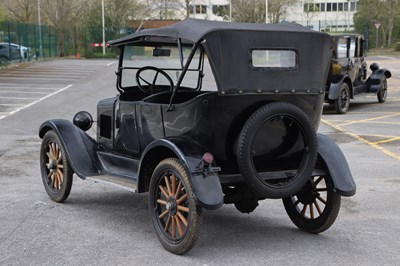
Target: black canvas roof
pixel 229 46
pixel 194 30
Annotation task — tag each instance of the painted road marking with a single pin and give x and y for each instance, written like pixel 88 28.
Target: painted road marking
pixel 369 119
pixel 358 137
pixel 27 92
pixel 35 102
pixel 112 63
pixel 387 57
pixel 386 140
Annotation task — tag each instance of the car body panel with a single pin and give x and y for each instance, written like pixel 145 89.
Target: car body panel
pixel 337 166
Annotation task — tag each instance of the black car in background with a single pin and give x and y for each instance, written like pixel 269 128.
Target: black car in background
pixel 209 113
pixel 348 76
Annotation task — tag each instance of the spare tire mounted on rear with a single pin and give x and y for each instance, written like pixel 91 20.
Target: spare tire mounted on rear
pixel 277 150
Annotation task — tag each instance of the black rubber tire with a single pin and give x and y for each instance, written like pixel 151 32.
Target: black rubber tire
pixel 382 93
pixel 4 60
pixel 255 122
pixel 304 208
pixel 57 174
pixel 163 194
pixel 342 103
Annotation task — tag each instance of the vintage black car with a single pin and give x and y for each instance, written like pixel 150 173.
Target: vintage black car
pixel 348 75
pixel 209 113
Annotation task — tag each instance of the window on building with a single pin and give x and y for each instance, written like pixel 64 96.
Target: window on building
pixel 329 7
pixel 334 6
pixel 340 6
pixel 322 7
pixel 221 10
pixel 346 7
pixel 353 6
pixel 201 9
pixel 198 9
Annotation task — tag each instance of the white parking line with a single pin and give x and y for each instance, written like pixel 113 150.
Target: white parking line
pixel 109 64
pixel 35 102
pixel 18 98
pixel 28 92
pixel 387 57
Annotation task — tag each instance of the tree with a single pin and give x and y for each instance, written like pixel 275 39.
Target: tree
pixel 21 10
pixel 383 11
pixel 64 15
pixel 254 10
pixel 310 9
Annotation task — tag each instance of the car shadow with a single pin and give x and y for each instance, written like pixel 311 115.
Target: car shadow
pixel 223 231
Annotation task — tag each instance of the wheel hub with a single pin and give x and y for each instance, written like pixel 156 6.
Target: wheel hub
pixel 171 206
pixel 52 165
pixel 308 194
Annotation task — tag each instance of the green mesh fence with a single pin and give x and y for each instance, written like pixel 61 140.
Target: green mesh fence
pixel 26 42
pixel 93 38
pixel 21 42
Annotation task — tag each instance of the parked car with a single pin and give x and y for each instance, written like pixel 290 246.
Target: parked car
pixel 191 147
pixel 348 76
pixel 12 51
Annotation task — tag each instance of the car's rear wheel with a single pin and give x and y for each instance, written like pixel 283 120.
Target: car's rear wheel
pixel 342 103
pixel 277 150
pixel 382 93
pixel 315 207
pixel 174 212
pixel 57 174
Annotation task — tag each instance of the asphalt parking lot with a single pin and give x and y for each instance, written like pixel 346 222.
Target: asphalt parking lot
pixel 104 225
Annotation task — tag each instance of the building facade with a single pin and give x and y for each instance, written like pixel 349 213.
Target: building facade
pixel 320 15
pixel 324 15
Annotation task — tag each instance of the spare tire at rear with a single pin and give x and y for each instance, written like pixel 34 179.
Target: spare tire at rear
pixel 277 150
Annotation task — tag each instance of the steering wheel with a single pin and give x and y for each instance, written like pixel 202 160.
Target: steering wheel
pixel 152 85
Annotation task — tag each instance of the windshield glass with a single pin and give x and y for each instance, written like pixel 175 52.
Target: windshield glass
pixel 166 58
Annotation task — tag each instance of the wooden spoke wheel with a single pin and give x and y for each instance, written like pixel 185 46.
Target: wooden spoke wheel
pixel 55 168
pixel 174 213
pixel 342 103
pixel 315 207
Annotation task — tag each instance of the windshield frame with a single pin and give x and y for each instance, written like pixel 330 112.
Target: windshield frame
pixel 183 64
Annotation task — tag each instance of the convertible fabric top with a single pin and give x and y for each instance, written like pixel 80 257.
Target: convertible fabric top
pixel 194 30
pixel 229 45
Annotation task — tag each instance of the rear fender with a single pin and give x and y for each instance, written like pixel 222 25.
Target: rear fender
pixel 207 188
pixel 337 166
pixel 79 146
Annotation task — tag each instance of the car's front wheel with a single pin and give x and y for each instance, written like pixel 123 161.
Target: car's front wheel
pixel 56 171
pixel 382 93
pixel 342 103
pixel 315 207
pixel 174 212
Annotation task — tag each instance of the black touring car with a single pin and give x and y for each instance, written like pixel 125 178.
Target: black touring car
pixel 348 76
pixel 209 113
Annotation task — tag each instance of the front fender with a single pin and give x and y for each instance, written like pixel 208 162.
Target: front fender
pixel 207 189
pixel 376 78
pixel 79 146
pixel 336 165
pixel 335 86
